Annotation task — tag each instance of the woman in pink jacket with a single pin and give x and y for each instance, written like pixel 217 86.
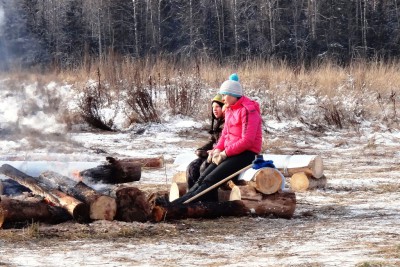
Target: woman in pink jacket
pixel 240 141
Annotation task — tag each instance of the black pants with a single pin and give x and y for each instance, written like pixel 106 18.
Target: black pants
pixel 215 173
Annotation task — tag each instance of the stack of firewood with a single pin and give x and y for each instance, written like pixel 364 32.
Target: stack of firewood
pixel 54 198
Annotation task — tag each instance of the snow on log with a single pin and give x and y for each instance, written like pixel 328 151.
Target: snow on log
pixel 291 164
pixel 78 209
pixel 301 182
pixel 102 207
pixel 15 212
pixel 132 205
pixel 115 172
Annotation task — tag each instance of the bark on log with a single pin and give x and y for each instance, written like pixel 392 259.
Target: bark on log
pixel 199 210
pixel 102 207
pixel 291 164
pixel 301 182
pixel 17 213
pixel 281 204
pixel 115 172
pixel 78 209
pixel 132 205
pixel 157 162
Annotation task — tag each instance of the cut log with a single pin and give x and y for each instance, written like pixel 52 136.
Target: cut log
pixel 102 207
pixel 78 209
pixel 179 177
pixel 115 172
pixel 132 205
pixel 245 192
pixel 280 204
pixel 157 162
pixel 291 164
pixel 199 210
pixel 266 180
pixel 17 213
pixel 301 182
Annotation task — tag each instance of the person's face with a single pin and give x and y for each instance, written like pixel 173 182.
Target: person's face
pixel 230 100
pixel 217 110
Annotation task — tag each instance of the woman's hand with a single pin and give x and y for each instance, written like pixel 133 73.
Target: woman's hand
pixel 219 157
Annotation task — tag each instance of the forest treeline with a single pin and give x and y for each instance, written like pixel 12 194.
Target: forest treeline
pixel 67 33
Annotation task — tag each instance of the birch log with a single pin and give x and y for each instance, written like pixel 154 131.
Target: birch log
pixel 78 209
pixel 102 207
pixel 301 182
pixel 290 164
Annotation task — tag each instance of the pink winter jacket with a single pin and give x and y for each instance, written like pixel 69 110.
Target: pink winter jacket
pixel 242 130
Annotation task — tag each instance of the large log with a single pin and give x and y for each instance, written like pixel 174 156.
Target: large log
pixel 115 172
pixel 157 162
pixel 199 210
pixel 17 213
pixel 291 164
pixel 281 204
pixel 78 209
pixel 301 182
pixel 132 205
pixel 102 207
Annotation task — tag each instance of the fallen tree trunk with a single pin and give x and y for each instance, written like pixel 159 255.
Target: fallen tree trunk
pixel 17 213
pixel 291 164
pixel 132 205
pixel 102 207
pixel 157 162
pixel 78 209
pixel 280 205
pixel 301 182
pixel 115 172
pixel 199 210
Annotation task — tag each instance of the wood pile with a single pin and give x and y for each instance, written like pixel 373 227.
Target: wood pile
pixel 54 198
pixel 305 172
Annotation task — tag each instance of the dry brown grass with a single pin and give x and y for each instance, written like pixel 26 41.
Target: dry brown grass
pixel 345 95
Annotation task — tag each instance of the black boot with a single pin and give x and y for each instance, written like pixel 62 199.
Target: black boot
pixel 196 189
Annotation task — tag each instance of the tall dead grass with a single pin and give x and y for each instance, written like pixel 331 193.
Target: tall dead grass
pixel 323 95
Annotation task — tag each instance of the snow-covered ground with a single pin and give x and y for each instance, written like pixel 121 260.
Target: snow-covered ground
pixel 355 220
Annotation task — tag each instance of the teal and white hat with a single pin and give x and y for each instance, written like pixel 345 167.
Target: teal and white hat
pixel 231 87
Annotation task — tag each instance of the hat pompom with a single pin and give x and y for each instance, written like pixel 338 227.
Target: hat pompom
pixel 234 77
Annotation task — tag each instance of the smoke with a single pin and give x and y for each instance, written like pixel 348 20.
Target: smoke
pixel 1 19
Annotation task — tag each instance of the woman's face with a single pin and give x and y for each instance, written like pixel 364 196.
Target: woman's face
pixel 217 110
pixel 230 100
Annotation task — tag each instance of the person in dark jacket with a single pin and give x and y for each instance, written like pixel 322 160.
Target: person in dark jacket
pixel 197 166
